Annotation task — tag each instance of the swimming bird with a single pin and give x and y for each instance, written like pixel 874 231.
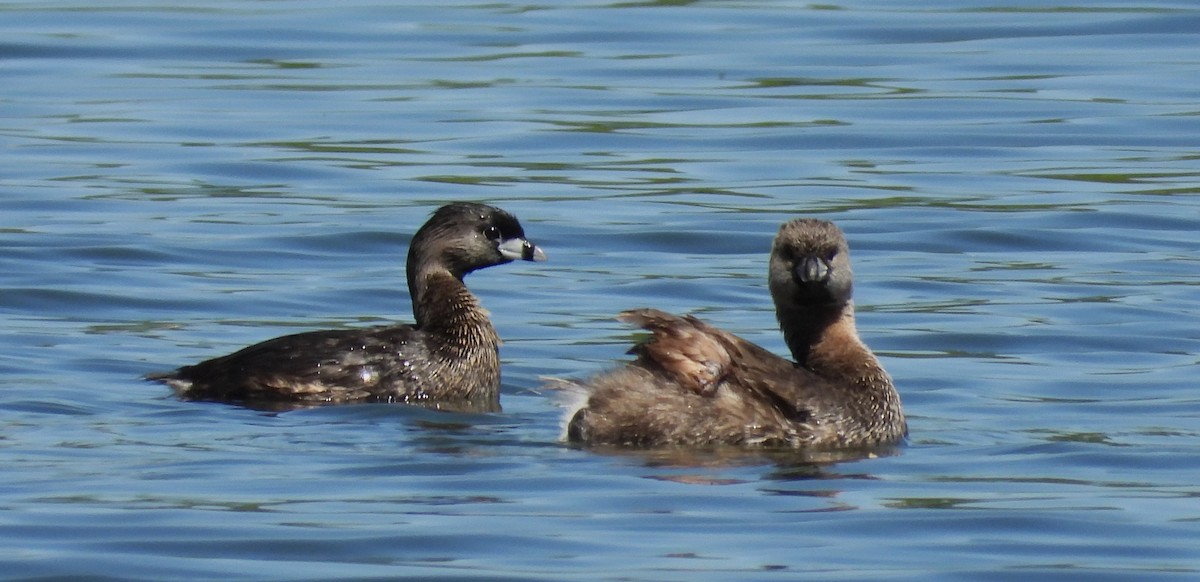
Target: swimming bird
pixel 693 384
pixel 447 358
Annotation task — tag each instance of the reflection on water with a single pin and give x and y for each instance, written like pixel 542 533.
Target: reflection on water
pixel 790 462
pixel 1017 183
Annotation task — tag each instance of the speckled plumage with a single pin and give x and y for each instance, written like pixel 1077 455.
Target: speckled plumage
pixel 693 384
pixel 449 358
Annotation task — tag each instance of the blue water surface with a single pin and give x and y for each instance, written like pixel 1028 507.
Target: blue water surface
pixel 1018 181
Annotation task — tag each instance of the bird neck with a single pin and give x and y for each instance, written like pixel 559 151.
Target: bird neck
pixel 443 306
pixel 825 340
pixel 805 327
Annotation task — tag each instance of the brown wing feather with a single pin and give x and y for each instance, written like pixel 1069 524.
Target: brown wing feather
pixel 683 347
pixel 700 357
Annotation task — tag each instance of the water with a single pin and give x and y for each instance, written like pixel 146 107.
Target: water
pixel 1018 183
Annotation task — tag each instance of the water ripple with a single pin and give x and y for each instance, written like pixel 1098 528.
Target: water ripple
pixel 1017 183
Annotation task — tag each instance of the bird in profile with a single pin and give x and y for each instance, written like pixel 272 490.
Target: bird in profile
pixel 448 358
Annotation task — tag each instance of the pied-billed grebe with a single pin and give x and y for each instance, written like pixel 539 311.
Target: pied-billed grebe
pixel 449 358
pixel 693 384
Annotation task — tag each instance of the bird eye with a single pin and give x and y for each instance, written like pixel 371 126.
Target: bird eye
pixel 492 233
